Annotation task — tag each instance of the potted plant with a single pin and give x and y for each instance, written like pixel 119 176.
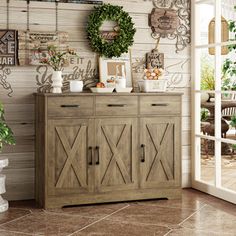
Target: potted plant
pixel 6 137
pixel 56 60
pixel 6 134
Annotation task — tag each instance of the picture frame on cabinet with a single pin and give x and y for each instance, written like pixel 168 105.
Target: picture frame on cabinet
pixel 110 69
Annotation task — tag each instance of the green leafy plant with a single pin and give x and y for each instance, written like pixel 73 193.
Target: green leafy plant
pixel 204 114
pixel 229 66
pixel 54 58
pixel 126 32
pixel 6 134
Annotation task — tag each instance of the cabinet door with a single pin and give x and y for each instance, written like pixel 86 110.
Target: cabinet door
pixel 116 154
pixel 69 149
pixel 160 143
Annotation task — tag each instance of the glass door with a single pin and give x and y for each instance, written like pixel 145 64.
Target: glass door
pixel 214 97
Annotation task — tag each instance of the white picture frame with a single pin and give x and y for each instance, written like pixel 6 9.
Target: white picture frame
pixel 108 68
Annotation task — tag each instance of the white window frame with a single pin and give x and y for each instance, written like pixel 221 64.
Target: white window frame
pixel 216 189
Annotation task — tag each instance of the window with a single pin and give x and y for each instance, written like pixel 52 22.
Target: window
pixel 214 93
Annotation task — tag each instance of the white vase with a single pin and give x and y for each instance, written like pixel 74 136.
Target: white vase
pixel 3 202
pixel 57 82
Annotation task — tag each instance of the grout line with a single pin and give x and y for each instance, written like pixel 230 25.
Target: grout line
pixel 172 207
pixel 192 214
pixel 14 220
pixel 16 232
pixel 168 232
pixel 103 218
pixel 69 214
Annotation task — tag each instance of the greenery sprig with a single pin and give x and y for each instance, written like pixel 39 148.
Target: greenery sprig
pixel 125 37
pixel 54 58
pixel 6 134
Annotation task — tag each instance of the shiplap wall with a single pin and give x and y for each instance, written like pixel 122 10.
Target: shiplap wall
pixel 72 19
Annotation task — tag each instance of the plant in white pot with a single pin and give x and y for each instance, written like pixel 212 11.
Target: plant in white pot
pixel 56 59
pixel 6 137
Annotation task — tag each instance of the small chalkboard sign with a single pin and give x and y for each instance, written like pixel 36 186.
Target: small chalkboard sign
pixel 154 59
pixel 8 47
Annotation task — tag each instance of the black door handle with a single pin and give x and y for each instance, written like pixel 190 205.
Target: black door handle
pixel 143 154
pixel 90 156
pixel 98 155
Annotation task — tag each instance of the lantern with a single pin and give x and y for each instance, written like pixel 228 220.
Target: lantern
pixel 224 35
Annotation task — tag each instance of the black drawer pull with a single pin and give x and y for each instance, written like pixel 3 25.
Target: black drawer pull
pixel 70 106
pixel 116 105
pixel 160 104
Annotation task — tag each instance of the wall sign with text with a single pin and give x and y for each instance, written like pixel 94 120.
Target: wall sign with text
pixel 8 47
pixel 33 44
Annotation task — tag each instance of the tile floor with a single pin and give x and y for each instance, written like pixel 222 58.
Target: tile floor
pixel 195 214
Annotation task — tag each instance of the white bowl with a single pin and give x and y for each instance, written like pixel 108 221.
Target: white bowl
pixel 123 90
pixel 102 90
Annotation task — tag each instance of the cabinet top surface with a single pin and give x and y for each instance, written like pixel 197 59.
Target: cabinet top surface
pixel 108 94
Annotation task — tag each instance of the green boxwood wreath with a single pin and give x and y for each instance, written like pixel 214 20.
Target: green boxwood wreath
pixel 124 39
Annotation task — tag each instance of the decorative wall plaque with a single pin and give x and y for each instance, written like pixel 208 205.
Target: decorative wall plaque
pixel 171 19
pixel 33 44
pixel 8 47
pixel 164 21
pixel 154 59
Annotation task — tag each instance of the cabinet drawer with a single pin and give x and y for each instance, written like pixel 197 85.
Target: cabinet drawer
pixel 160 105
pixel 70 106
pixel 116 105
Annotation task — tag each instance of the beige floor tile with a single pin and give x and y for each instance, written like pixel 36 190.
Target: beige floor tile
pixel 190 232
pixel 111 228
pixel 47 224
pixel 12 214
pixel 212 219
pixel 151 215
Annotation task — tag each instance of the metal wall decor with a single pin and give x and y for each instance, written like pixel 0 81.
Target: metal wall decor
pixel 171 19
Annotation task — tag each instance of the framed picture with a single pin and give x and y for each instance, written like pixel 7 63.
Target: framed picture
pixel 111 68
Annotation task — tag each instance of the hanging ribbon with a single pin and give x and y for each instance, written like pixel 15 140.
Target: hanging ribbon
pixel 28 15
pixel 56 2
pixel 157 44
pixel 8 2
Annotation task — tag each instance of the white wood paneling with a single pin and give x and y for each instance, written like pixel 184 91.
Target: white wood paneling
pixel 73 19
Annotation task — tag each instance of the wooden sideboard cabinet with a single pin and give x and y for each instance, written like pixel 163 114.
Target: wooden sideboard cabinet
pixel 95 148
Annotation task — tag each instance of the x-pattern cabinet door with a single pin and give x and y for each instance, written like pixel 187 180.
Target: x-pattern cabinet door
pixel 69 166
pixel 116 154
pixel 160 152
